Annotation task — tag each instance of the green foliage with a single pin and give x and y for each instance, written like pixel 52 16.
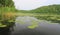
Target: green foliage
pixel 32 26
pixel 1 25
pixel 51 9
pixel 8 3
pixel 7 9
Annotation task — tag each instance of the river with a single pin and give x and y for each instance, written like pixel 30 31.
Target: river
pixel 44 28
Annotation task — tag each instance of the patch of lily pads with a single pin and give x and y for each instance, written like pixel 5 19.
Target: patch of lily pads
pixel 1 25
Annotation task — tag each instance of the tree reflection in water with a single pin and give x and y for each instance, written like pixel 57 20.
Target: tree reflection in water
pixel 5 32
pixel 8 30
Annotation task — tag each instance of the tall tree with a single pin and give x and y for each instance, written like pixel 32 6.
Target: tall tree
pixel 8 3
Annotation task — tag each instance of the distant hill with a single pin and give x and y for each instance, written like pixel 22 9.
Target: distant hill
pixel 47 9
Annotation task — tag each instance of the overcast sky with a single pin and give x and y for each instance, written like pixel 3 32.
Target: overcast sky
pixel 32 4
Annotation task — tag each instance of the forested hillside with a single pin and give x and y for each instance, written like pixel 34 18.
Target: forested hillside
pixel 52 9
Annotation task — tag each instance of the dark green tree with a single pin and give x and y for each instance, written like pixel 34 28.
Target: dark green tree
pixel 8 3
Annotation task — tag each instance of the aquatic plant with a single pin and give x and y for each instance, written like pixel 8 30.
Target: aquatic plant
pixel 30 22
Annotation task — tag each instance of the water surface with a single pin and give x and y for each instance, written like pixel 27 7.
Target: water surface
pixel 44 27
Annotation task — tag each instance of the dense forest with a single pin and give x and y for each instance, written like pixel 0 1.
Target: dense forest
pixel 50 9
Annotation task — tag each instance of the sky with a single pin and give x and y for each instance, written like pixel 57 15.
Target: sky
pixel 33 4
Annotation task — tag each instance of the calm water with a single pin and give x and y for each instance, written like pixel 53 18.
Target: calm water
pixel 44 28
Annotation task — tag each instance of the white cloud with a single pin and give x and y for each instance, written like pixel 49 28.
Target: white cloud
pixel 32 4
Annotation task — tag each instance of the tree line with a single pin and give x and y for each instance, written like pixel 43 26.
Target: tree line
pixel 50 9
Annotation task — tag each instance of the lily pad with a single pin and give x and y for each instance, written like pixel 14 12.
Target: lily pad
pixel 1 25
pixel 32 26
